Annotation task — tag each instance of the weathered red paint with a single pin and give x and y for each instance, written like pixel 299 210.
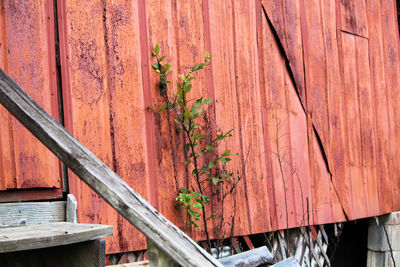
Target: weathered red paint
pixel 28 55
pixel 325 125
pixel 312 96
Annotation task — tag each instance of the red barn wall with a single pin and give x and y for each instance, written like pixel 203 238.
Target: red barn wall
pixel 311 89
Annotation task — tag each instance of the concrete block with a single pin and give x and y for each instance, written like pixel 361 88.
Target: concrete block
pixel 379 259
pixel 388 219
pixel 377 240
pixel 375 258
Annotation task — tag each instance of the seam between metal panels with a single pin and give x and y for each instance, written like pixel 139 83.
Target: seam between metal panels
pixel 281 48
pixel 149 124
pixel 64 170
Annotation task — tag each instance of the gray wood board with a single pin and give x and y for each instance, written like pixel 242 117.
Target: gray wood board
pixel 71 209
pixel 25 213
pixel 87 254
pixel 254 257
pixel 49 235
pixel 172 241
pixel 289 262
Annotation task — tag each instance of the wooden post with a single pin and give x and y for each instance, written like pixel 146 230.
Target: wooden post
pixel 166 236
pixel 71 209
pixel 157 258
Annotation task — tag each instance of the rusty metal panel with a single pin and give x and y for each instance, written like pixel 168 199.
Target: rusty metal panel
pixel 27 53
pixel 317 137
pixel 285 18
pixel 390 47
pixel 105 104
pixel 353 17
pixel 380 102
pixel 222 33
pixel 285 129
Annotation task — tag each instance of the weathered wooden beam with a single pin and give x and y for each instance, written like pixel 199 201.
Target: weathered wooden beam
pixel 71 209
pixel 25 213
pixel 157 258
pixel 49 235
pixel 102 179
pixel 254 257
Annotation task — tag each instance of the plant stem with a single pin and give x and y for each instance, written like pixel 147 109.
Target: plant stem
pixel 196 170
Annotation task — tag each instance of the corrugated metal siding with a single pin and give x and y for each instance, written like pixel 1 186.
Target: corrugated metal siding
pixel 27 54
pixel 315 87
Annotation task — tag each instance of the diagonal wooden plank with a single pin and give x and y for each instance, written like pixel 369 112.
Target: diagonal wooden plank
pixel 172 241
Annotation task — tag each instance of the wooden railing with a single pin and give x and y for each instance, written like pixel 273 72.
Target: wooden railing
pixel 167 244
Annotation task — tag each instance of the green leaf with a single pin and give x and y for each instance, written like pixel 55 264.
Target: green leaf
pixel 163 107
pixel 212 216
pixel 187 147
pixel 156 50
pixel 183 189
pixel 214 180
pixel 211 165
pixel 195 225
pixel 226 153
pixel 192 213
pixel 220 137
pixel 165 67
pixel 161 58
pixel 187 163
pixel 226 175
pixel 207 101
pixel 197 205
pixel 225 159
pixel 197 67
pixel 156 66
pixel 210 148
pixel 205 199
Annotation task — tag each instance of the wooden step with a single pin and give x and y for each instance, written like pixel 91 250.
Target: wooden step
pixel 49 235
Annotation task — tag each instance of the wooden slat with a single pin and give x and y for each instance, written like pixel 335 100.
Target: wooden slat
pixel 32 213
pixel 49 235
pixel 71 209
pixel 99 177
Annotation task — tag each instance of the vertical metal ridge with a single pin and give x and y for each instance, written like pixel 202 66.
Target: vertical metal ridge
pixel 150 131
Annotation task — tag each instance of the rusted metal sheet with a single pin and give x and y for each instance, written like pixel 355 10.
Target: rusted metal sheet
pixel 390 46
pixel 27 53
pixel 317 137
pixel 380 101
pixel 284 126
pixel 223 49
pixel 105 104
pixel 353 16
pixel 285 18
